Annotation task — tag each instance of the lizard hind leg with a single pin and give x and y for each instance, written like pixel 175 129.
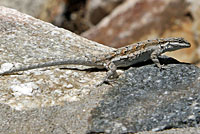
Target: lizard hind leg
pixel 111 74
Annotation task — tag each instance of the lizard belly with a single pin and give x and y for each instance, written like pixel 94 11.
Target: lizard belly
pixel 126 61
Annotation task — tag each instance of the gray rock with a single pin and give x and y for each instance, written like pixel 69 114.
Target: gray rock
pixel 59 100
pixel 27 41
pixel 146 98
pixel 30 7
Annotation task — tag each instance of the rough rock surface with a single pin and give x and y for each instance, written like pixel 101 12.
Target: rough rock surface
pixel 147 98
pixel 58 100
pixel 26 40
pixel 30 7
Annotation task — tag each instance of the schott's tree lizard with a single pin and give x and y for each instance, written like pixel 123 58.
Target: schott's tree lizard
pixel 121 57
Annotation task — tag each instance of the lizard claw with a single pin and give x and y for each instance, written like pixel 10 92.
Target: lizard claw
pixel 163 67
pixel 106 81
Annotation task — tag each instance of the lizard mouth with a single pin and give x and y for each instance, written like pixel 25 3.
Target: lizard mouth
pixel 179 45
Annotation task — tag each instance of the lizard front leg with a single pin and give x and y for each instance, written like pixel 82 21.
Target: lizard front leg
pixel 154 57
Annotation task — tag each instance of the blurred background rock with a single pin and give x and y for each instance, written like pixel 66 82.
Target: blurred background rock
pixel 117 23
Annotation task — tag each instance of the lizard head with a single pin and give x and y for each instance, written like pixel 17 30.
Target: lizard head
pixel 172 44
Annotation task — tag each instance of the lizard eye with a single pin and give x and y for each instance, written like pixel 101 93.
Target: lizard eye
pixel 161 46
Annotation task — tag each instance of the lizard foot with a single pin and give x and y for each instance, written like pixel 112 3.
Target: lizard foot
pixel 106 81
pixel 163 67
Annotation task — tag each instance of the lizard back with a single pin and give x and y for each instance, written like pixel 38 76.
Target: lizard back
pixel 141 51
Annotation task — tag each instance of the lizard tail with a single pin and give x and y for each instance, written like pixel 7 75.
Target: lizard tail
pixel 67 61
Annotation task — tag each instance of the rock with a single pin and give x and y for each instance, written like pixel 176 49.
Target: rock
pixel 25 6
pixel 27 41
pixel 46 10
pixel 28 99
pixel 146 98
pixel 98 9
pixel 137 20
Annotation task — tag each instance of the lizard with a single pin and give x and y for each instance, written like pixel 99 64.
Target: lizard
pixel 121 57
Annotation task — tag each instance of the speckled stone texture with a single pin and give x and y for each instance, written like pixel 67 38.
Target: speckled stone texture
pixel 147 98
